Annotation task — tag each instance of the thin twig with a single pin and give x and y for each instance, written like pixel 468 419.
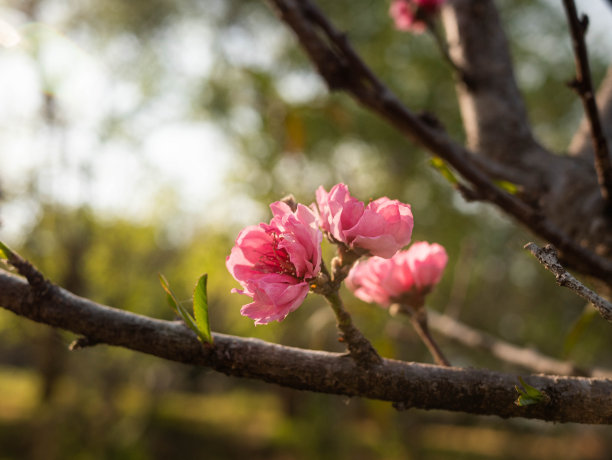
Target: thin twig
pixel 42 286
pixel 441 44
pixel 418 319
pixel 547 256
pixel 583 85
pixel 508 352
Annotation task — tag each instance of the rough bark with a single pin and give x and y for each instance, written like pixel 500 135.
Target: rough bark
pixel 570 399
pixel 497 126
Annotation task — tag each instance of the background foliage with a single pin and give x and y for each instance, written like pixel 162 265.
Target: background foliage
pixel 232 67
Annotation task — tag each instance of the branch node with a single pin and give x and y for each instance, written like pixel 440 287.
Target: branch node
pixel 547 256
pixel 584 23
pixel 82 342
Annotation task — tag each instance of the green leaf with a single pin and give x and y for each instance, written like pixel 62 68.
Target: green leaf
pixel 5 252
pixel 578 328
pixel 170 297
pixel 509 187
pixel 528 395
pixel 200 309
pixel 443 169
pixel 176 305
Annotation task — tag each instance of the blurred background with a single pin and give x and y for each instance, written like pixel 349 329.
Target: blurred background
pixel 139 137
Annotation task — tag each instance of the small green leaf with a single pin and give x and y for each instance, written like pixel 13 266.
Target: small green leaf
pixel 200 309
pixel 176 305
pixel 5 252
pixel 509 187
pixel 170 297
pixel 531 391
pixel 443 169
pixel 171 302
pixel 528 395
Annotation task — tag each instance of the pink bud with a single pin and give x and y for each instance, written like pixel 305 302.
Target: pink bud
pixel 411 15
pixel 381 228
pixel 405 278
pixel 275 262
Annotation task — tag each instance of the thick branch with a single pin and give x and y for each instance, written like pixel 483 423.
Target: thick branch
pixel 342 68
pixel 548 257
pixel 572 399
pixel 478 45
pixel 584 87
pixel 507 352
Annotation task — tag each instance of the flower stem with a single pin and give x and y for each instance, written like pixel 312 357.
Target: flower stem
pixel 359 347
pixel 418 318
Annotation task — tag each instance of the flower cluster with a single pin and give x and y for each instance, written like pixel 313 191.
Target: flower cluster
pixel 278 263
pixel 405 278
pixel 412 15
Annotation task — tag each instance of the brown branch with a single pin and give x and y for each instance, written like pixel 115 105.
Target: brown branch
pixel 328 285
pixel 418 318
pixel 584 87
pixel 342 68
pixel 507 352
pixel 581 145
pixel 479 46
pixel 547 256
pixel 572 399
pixel 359 346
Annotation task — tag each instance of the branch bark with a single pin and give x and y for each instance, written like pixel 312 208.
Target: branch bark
pixel 582 142
pixel 566 190
pixel 572 399
pixel 548 257
pixel 343 69
pixel 479 46
pixel 584 87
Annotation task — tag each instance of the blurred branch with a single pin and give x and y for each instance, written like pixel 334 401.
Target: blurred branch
pixel 343 69
pixel 478 45
pixel 547 256
pixel 583 85
pixel 525 357
pixel 572 399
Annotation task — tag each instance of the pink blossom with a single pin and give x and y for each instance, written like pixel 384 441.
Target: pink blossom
pixel 405 278
pixel 381 228
pixel 275 262
pixel 411 15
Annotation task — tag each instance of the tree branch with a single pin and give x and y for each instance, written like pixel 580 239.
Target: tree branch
pixel 419 319
pixel 548 258
pixel 507 352
pixel 572 399
pixel 478 45
pixel 342 68
pixel 582 142
pixel 583 85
